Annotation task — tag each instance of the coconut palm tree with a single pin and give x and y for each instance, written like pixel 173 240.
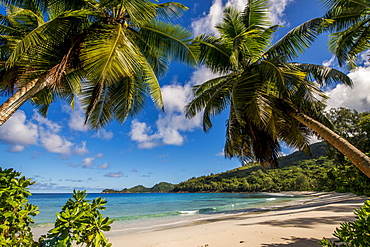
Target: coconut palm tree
pixel 351 28
pixel 111 53
pixel 269 98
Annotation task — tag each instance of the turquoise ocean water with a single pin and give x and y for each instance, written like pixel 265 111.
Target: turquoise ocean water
pixel 143 211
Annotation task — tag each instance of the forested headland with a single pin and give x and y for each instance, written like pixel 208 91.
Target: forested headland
pixel 324 169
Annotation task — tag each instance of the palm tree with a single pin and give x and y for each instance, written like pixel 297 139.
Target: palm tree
pixel 269 99
pixel 351 28
pixel 111 53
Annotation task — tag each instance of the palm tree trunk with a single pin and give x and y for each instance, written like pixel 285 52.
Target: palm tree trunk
pixel 25 93
pixel 357 157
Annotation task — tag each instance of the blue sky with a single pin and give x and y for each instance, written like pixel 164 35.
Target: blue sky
pixel 60 154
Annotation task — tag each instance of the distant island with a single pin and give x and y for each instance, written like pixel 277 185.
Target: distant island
pixel 162 187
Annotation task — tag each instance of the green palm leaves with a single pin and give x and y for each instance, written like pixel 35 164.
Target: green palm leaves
pixel 258 85
pixel 351 28
pixel 110 52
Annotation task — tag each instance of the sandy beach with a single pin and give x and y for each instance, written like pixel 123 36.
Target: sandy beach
pixel 299 225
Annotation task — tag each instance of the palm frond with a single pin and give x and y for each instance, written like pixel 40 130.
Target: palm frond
pixel 212 98
pixel 248 142
pixel 350 42
pixel 141 12
pixel 170 10
pixel 249 98
pixel 167 42
pixel 52 32
pixel 214 53
pixel 323 75
pixel 298 39
pixel 231 26
pixel 256 14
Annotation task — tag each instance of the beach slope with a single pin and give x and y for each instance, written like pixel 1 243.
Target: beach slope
pixel 299 225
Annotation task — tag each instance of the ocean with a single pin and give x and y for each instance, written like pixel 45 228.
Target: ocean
pixel 144 211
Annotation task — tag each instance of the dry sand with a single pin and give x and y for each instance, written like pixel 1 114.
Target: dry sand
pixel 300 225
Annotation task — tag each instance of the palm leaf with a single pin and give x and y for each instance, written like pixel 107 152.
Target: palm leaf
pixel 172 41
pixel 324 75
pixel 298 39
pixel 255 14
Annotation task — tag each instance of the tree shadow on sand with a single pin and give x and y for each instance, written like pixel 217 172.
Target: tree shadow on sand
pixel 296 242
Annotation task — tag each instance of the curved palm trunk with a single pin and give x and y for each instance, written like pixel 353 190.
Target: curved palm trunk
pixel 351 152
pixel 25 93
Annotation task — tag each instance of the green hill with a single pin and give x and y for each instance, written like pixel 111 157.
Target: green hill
pixel 160 187
pixel 297 172
pixel 317 150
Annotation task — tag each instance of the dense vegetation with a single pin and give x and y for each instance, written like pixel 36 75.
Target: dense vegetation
pixel 326 169
pixel 80 221
pixel 160 187
pixel 313 174
pixel 352 233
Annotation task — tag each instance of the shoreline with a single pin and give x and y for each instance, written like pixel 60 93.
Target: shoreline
pixel 301 224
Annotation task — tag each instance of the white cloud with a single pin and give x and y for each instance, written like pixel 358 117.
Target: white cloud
pixel 18 133
pixel 81 150
pixel 331 62
pixel 277 8
pixel 114 174
pixel 171 125
pixel 206 23
pixel 141 133
pixel 16 149
pixel 88 162
pixel 46 123
pixel 104 166
pixel 103 134
pixel 77 118
pixel 357 97
pixel 55 143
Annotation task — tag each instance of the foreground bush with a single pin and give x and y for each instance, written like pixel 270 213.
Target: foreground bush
pixel 15 211
pixel 354 233
pixel 80 221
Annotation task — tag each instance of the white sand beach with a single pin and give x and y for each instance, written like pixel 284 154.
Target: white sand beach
pixel 300 225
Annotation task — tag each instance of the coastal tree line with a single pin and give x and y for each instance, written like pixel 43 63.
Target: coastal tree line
pixel 326 170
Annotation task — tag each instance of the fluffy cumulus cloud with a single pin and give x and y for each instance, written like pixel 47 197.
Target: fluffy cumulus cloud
pixel 77 118
pixel 103 166
pixel 88 162
pixel 357 97
pixel 18 133
pixel 82 149
pixel 170 126
pixel 206 22
pixel 77 122
pixel 277 8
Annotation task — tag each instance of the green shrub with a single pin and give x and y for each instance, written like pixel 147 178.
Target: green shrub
pixel 15 211
pixel 80 221
pixel 354 233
